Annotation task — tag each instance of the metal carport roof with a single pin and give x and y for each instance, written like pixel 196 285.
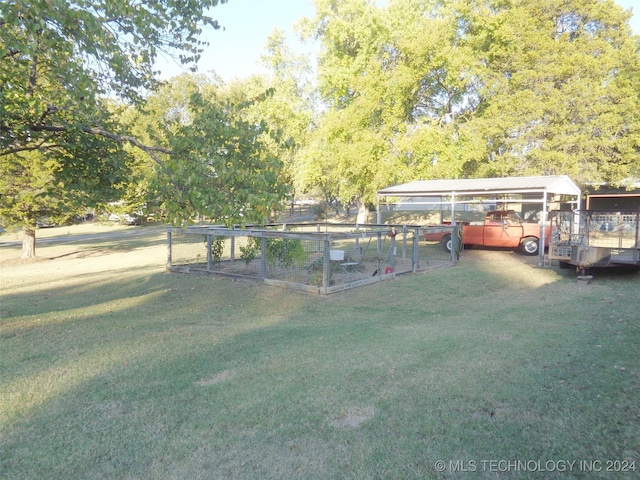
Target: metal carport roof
pixel 544 185
pixel 551 184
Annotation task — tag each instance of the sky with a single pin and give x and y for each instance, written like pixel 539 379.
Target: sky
pixel 234 53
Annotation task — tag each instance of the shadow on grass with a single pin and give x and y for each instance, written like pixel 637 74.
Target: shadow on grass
pixel 108 377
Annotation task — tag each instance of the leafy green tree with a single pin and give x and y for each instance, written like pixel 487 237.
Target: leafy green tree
pixel 57 60
pixel 221 166
pixel 558 88
pixel 364 109
pixel 463 88
pixel 60 180
pixel 291 107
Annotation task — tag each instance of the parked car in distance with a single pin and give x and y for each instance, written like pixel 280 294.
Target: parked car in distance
pixel 45 222
pixel 124 219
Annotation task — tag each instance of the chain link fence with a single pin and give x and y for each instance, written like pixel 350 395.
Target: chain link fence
pixel 320 258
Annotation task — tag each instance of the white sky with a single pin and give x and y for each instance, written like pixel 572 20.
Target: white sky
pixel 236 51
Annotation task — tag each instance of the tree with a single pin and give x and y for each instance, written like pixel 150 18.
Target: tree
pixel 463 88
pixel 559 89
pixel 222 165
pixel 355 136
pixel 59 181
pixel 57 60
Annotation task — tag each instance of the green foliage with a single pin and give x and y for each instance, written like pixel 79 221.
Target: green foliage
pixel 282 251
pixel 221 164
pixel 285 251
pixel 217 248
pixel 249 252
pixel 60 142
pixel 460 89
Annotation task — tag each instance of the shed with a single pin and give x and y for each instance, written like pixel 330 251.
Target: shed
pixel 536 189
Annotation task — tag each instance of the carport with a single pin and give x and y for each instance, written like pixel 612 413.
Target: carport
pixel 543 189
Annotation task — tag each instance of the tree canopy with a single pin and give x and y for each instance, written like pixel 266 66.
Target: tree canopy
pixel 473 88
pixel 222 164
pixel 59 60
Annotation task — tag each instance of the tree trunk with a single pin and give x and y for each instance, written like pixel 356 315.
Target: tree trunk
pixel 29 243
pixel 363 212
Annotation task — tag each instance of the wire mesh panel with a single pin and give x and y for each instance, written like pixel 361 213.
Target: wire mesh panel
pixel 612 229
pixel 566 228
pixel 432 248
pixel 595 238
pixel 187 248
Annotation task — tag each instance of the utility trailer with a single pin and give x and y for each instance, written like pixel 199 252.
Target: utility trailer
pixel 595 238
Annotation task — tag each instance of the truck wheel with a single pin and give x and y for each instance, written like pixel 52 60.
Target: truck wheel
pixel 446 242
pixel 530 245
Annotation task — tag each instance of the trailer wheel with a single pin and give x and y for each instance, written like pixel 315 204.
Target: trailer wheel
pixel 564 265
pixel 530 245
pixel 446 242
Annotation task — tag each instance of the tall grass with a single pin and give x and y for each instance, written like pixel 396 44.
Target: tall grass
pixel 111 368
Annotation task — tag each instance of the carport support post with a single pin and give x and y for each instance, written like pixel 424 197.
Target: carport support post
pixel 543 224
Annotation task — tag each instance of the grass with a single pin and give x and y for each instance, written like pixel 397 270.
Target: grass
pixel 112 368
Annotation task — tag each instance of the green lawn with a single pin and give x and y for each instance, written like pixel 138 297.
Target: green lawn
pixel 112 368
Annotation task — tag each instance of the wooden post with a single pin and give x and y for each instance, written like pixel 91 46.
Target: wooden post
pixel 209 259
pixel 263 242
pixel 404 241
pixel 326 264
pixel 415 260
pixel 169 249
pixel 393 253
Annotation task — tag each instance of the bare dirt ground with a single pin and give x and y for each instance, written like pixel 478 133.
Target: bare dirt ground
pixel 75 254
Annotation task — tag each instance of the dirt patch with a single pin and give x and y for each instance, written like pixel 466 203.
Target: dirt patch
pixel 354 417
pixel 14 262
pixel 216 378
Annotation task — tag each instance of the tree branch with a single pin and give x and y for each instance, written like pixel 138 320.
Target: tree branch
pixel 149 150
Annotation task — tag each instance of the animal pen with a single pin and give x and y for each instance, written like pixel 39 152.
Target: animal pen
pixel 318 258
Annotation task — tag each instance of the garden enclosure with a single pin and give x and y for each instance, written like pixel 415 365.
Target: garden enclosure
pixel 320 258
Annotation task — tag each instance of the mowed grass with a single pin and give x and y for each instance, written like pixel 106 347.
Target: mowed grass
pixel 112 368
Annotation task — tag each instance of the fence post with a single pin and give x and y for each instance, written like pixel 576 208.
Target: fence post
pixel 393 253
pixel 263 244
pixel 415 257
pixel 169 246
pixel 209 259
pixel 404 241
pixel 326 264
pixel 456 243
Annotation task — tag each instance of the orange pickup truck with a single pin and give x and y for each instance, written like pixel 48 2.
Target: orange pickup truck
pixel 504 229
